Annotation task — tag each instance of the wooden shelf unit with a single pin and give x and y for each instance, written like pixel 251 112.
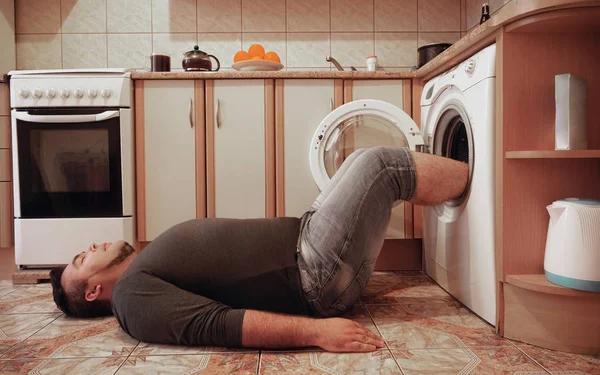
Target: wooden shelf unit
pixel 530 174
pixel 554 154
pixel 539 283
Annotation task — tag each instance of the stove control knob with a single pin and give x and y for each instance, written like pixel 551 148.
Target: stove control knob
pixel 51 93
pixel 92 93
pixel 24 93
pixel 106 93
pixel 65 93
pixel 470 66
pixel 37 93
pixel 78 93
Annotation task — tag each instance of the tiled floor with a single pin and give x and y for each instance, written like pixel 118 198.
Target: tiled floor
pixel 426 331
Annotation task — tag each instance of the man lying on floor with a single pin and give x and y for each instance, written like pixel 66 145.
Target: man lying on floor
pixel 261 283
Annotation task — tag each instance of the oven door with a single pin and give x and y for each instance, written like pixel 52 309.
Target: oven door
pixel 67 163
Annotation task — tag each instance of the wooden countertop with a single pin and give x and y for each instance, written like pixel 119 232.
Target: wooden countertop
pixel 275 75
pixel 511 12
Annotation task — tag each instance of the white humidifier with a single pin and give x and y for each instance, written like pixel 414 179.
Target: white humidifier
pixel 572 255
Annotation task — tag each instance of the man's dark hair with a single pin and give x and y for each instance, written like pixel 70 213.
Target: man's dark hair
pixel 73 302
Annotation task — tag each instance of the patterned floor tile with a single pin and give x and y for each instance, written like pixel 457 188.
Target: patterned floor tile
pixel 563 363
pixel 96 366
pixel 379 362
pixel 146 349
pixel 16 328
pixel 434 325
pixel 410 289
pixel 226 363
pixel 71 338
pixel 35 299
pixel 359 314
pixel 463 361
pixel 6 287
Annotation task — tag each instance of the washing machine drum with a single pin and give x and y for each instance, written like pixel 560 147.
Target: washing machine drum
pixel 355 125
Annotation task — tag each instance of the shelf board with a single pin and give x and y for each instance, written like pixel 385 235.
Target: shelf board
pixel 553 154
pixel 539 283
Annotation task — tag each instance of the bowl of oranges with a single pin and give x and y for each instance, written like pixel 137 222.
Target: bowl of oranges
pixel 256 59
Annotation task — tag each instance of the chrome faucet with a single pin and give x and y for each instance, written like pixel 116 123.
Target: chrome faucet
pixel 337 64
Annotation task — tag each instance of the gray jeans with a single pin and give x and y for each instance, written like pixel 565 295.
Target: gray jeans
pixel 343 232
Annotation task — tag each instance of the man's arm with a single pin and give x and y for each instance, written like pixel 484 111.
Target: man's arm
pixel 267 330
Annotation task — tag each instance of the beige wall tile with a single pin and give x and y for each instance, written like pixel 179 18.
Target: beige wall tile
pixel 175 45
pixel 37 16
pixel 263 15
pixel 308 15
pixel 352 48
pixel 319 69
pixel 396 49
pixel 351 15
pixel 395 15
pixel 83 16
pixel 275 42
pixel 83 51
pixel 307 50
pixel 39 51
pixel 439 15
pixel 432 38
pixel 129 50
pixel 174 16
pixel 473 13
pixel 220 16
pixel 222 45
pixel 131 16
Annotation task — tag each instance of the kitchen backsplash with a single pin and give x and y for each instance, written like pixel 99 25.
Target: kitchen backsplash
pixel 120 33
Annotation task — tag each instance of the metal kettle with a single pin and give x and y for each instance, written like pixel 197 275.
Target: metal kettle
pixel 198 61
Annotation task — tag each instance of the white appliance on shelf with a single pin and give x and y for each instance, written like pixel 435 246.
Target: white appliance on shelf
pixel 572 257
pixel 73 162
pixel 457 110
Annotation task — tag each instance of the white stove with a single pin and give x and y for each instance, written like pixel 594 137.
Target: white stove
pixel 73 162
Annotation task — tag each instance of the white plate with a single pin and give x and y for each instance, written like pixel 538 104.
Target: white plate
pixel 257 66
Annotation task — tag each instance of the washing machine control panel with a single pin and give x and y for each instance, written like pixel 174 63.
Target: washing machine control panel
pixel 470 66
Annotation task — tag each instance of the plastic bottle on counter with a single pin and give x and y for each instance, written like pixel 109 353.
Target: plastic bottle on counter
pixel 371 63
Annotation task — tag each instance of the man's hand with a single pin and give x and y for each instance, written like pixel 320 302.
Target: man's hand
pixel 343 335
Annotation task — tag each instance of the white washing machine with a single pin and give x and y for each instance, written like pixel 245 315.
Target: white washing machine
pixel 457 112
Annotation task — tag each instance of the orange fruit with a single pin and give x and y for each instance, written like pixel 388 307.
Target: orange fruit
pixel 272 56
pixel 241 56
pixel 256 58
pixel 256 50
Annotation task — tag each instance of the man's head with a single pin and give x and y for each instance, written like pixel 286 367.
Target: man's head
pixel 83 288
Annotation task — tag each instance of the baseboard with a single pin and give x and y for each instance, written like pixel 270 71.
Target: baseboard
pixel 400 255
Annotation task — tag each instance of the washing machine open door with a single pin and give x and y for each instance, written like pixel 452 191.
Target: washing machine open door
pixel 359 124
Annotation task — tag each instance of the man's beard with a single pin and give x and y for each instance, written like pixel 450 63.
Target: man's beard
pixel 124 252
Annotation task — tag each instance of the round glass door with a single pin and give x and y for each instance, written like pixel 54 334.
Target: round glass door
pixel 359 124
pixel 360 131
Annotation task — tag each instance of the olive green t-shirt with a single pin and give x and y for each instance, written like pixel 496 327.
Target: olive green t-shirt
pixel 193 283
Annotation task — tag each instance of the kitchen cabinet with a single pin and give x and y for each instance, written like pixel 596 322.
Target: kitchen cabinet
pixel 6 207
pixel 396 92
pixel 302 105
pixel 168 174
pixel 240 148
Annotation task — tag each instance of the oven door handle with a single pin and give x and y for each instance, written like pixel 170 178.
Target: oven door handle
pixel 25 116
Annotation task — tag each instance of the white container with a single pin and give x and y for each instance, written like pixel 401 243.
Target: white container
pixel 572 256
pixel 372 63
pixel 571 112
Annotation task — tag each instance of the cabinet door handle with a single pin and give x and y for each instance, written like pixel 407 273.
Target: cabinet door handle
pixel 218 114
pixel 191 112
pixel 330 104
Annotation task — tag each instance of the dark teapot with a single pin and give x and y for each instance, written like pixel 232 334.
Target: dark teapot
pixel 198 61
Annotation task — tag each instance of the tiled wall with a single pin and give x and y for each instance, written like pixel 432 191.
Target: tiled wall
pixel 119 33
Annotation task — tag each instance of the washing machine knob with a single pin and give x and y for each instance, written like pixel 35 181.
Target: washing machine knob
pixel 470 66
